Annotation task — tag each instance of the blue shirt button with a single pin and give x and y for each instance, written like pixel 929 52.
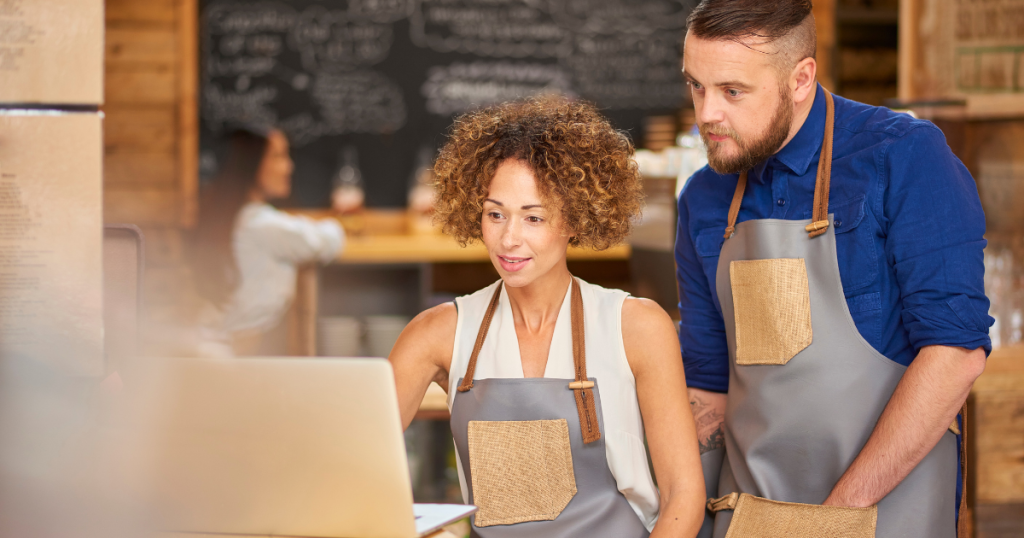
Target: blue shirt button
pixel 782 202
pixel 839 223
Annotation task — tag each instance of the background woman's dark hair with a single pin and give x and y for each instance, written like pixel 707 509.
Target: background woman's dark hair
pixel 214 269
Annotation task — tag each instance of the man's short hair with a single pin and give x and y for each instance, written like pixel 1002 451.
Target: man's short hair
pixel 786 24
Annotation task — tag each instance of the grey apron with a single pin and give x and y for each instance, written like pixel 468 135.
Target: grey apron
pixel 537 448
pixel 805 389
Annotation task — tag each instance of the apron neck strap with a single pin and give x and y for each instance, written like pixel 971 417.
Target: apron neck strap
pixel 581 386
pixel 819 219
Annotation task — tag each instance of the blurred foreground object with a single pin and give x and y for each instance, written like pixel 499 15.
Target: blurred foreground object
pixel 52 52
pixel 51 282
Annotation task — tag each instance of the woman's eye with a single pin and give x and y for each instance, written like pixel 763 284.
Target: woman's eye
pixel 494 215
pixel 534 219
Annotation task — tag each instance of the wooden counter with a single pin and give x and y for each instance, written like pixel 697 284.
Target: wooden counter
pixel 384 236
pixel 429 248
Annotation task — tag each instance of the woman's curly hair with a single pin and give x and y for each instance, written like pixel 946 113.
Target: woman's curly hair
pixel 578 159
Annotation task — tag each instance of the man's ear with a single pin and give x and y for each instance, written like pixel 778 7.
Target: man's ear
pixel 803 80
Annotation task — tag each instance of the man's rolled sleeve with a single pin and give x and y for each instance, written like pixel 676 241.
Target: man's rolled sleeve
pixel 701 329
pixel 935 242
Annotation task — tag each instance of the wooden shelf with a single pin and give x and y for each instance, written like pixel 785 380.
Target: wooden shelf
pixel 852 15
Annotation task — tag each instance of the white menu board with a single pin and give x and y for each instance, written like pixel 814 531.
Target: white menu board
pixel 51 272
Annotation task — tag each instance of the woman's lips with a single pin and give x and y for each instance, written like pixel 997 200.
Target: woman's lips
pixel 512 263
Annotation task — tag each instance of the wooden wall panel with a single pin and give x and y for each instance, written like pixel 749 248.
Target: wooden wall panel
pixel 154 86
pixel 142 129
pixel 188 110
pixel 963 50
pixel 140 170
pixel 141 11
pixel 150 206
pixel 151 141
pixel 999 428
pixel 151 150
pixel 825 27
pixel 141 47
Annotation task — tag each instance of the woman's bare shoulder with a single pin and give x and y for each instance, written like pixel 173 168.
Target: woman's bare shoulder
pixel 432 332
pixel 645 316
pixel 648 333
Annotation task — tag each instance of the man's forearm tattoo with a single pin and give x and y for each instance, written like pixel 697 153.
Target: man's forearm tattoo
pixel 709 425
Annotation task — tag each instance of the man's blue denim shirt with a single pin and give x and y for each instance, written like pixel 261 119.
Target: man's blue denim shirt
pixel 909 234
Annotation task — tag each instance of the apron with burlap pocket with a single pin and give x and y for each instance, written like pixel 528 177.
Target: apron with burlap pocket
pixel 763 518
pixel 773 310
pixel 521 470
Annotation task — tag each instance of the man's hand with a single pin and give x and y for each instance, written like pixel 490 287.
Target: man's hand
pixel 921 409
pixel 709 414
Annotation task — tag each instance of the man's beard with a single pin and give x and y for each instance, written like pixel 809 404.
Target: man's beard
pixel 750 152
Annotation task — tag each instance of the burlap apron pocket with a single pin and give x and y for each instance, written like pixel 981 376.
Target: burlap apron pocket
pixel 521 470
pixel 763 518
pixel 772 309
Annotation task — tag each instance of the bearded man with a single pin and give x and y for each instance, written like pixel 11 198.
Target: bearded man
pixel 831 294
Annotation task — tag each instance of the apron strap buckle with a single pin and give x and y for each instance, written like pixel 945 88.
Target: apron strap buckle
pixel 578 385
pixel 816 228
pixel 723 503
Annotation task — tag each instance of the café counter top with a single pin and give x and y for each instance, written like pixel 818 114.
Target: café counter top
pixel 377 236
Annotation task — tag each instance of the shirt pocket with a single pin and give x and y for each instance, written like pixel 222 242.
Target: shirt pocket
pixel 855 245
pixel 866 311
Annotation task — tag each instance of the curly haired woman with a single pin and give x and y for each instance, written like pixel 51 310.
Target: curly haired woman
pixel 552 381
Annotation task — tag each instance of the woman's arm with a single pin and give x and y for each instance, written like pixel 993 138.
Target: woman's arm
pixel 423 353
pixel 652 349
pixel 296 238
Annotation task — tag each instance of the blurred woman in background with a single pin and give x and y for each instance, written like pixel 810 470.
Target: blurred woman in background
pixel 245 252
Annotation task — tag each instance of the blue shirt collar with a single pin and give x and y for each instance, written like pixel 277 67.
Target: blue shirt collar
pixel 799 153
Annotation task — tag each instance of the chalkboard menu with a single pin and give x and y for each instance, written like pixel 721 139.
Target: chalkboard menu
pixel 383 79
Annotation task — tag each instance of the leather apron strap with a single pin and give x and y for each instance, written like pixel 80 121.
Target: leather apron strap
pixel 819 221
pixel 581 386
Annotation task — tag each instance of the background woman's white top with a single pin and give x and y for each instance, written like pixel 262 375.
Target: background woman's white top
pixel 268 246
pixel 623 431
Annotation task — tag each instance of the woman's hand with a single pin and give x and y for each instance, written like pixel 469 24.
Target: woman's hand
pixel 652 349
pixel 423 353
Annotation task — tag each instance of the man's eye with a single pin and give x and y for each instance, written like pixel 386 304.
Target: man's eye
pixel 695 85
pixel 733 93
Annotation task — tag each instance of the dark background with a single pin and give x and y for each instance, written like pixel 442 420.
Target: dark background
pixel 339 73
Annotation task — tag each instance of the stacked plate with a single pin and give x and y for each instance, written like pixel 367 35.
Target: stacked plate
pixel 382 333
pixel 339 336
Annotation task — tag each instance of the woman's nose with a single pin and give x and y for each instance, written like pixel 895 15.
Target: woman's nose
pixel 510 236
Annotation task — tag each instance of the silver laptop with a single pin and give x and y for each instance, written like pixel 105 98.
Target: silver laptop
pixel 274 446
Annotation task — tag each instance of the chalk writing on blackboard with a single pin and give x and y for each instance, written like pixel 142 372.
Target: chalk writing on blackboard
pixel 627 70
pixel 356 102
pixel 500 28
pixel 460 87
pixel 328 41
pixel 380 10
pixel 304 71
pixel 588 17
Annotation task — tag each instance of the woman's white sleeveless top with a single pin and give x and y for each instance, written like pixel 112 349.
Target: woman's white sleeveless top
pixel 623 431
